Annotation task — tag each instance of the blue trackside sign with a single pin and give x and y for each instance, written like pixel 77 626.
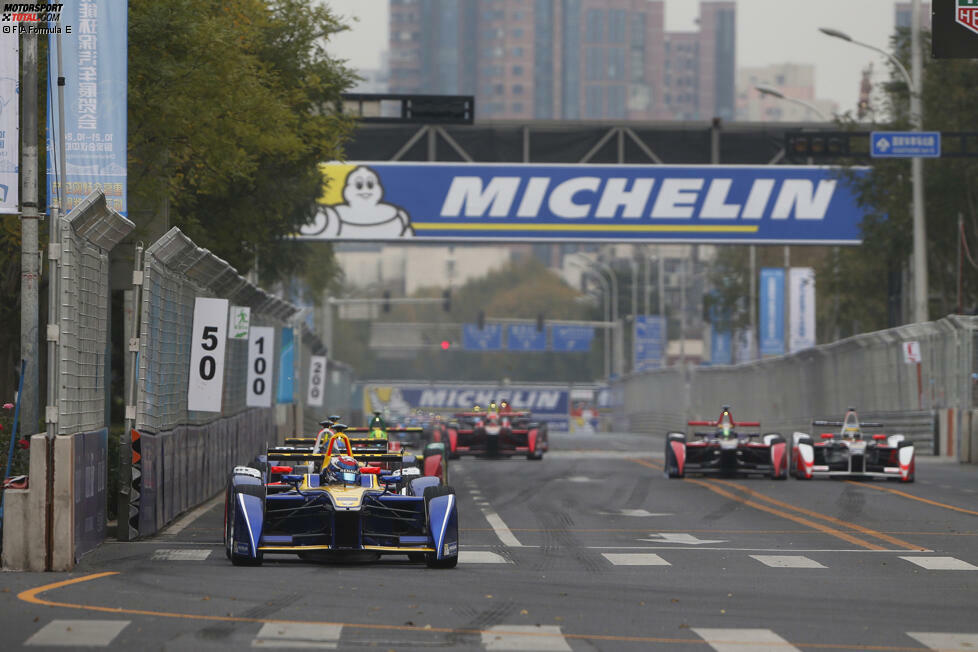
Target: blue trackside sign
pixel 575 203
pixel 905 144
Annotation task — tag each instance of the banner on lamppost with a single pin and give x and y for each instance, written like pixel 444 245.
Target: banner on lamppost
pixel 286 367
pixel 801 312
pixel 9 124
pixel 772 311
pixel 93 38
pixel 649 339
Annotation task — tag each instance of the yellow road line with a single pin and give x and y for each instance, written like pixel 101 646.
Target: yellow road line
pixel 912 497
pixel 651 465
pixel 791 517
pixel 31 596
pixel 608 228
pixel 854 526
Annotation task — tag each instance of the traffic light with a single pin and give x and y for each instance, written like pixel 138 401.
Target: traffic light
pixel 540 322
pixel 481 320
pixel 445 345
pixel 446 300
pixel 387 300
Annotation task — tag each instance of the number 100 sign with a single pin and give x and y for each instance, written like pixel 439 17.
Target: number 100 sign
pixel 206 383
pixel 261 359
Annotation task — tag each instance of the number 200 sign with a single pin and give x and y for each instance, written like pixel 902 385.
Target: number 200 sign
pixel 261 359
pixel 207 355
pixel 317 377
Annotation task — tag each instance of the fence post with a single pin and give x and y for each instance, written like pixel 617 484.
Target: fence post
pixel 124 529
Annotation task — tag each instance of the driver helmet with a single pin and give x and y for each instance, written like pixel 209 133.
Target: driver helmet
pixel 476 408
pixel 342 469
pixel 377 421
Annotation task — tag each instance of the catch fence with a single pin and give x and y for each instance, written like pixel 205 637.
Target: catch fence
pixel 868 372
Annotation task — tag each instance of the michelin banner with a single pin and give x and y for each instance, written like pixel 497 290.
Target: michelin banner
pixel 561 203
pixel 94 51
pixel 9 123
pixel 550 404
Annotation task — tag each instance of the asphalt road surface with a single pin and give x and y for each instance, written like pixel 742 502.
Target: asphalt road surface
pixel 590 549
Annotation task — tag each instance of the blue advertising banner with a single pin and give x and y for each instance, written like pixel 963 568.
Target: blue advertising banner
pixel 550 404
pixel 489 338
pixel 721 350
pixel 561 203
pixel 571 338
pixel 286 368
pixel 772 311
pixel 525 337
pixel 649 339
pixel 94 52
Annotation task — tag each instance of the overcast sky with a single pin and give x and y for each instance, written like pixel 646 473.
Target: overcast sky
pixel 768 31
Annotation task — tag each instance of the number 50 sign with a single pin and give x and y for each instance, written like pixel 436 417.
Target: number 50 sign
pixel 207 355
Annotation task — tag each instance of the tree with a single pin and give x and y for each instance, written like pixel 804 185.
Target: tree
pixel 870 278
pixel 231 112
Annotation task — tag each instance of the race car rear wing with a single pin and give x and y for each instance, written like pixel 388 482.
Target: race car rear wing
pixel 735 424
pixel 404 429
pixel 304 456
pixel 839 424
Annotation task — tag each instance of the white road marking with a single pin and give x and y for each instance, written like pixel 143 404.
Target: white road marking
pixel 635 559
pixel 635 512
pixel 578 478
pixel 940 563
pixel 186 554
pixel 743 640
pixel 787 561
pixel 723 549
pixel 545 638
pixel 944 641
pixel 499 527
pixel 298 635
pixel 481 557
pixel 680 537
pixel 78 633
pixel 178 525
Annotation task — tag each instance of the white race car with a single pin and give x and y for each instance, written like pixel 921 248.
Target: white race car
pixel 850 452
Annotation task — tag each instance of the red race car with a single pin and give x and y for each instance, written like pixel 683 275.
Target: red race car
pixel 498 431
pixel 724 447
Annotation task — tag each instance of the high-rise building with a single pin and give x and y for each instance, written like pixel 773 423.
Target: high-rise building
pixel 903 15
pixel 569 59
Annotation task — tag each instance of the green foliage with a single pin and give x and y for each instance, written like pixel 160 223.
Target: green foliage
pixel 520 290
pixel 231 111
pixel 865 274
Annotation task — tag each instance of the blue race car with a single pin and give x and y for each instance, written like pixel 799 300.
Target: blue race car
pixel 349 509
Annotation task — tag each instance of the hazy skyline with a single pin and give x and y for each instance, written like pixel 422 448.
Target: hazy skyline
pixel 768 32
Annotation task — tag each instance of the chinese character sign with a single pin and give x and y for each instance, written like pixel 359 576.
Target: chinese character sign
pixel 94 52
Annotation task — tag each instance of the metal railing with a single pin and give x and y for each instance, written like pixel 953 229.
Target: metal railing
pixel 786 393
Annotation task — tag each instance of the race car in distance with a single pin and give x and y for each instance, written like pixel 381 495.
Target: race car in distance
pixel 352 509
pixel 431 461
pixel 404 435
pixel 850 452
pixel 495 432
pixel 726 449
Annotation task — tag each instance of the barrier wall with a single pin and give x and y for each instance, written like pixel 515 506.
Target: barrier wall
pixel 178 458
pixel 867 372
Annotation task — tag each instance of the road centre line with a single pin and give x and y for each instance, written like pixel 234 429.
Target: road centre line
pixel 807 512
pixel 716 548
pixel 912 497
pixel 32 596
pixel 791 517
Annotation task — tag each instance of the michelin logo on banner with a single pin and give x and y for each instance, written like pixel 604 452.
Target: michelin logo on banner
pixel 392 201
pixel 547 404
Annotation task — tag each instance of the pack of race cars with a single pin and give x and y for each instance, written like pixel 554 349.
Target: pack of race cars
pixel 359 493
pixel 728 447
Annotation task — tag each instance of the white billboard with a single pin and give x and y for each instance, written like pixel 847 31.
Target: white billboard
pixel 801 312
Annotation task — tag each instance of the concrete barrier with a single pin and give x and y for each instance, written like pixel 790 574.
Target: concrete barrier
pixel 24 518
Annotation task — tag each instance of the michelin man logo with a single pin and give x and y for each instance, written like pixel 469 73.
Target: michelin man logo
pixel 363 214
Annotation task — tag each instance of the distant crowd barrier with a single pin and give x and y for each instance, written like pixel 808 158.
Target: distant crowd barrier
pixel 932 401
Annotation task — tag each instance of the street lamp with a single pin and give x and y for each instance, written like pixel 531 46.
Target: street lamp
pixel 775 93
pixel 920 283
pixel 606 300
